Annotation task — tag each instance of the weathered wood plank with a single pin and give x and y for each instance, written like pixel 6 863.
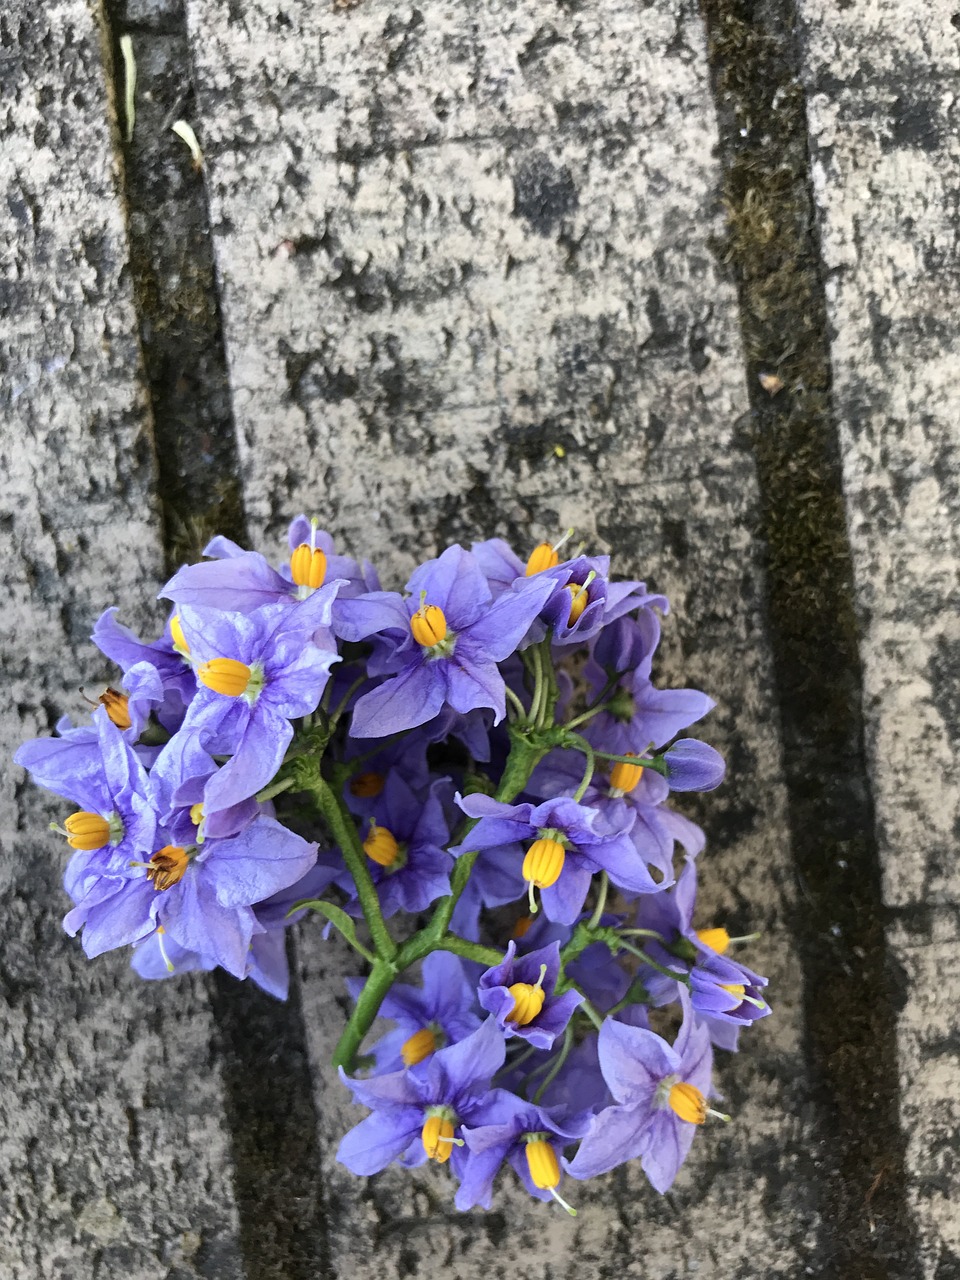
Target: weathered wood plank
pixel 113 1157
pixel 881 78
pixel 467 290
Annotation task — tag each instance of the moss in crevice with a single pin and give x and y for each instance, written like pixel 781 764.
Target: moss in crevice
pixel 771 245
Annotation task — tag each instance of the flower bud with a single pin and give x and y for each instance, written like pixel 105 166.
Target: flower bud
pixel 87 831
pixel 542 1162
pixel 624 777
pixel 308 566
pixel 543 862
pixel 688 1103
pixel 116 705
pixel 381 846
pixel 716 939
pixel 418 1046
pixel 226 676
pixel 542 557
pixel 429 626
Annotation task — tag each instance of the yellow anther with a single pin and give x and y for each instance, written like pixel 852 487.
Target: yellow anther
pixel 527 1002
pixel 716 939
pixel 429 626
pixel 418 1046
pixel 543 862
pixel 87 831
pixel 167 866
pixel 366 786
pixel 437 1138
pixel 736 989
pixel 624 777
pixel 196 813
pixel 578 601
pixel 308 566
pixel 688 1103
pixel 543 1163
pixel 381 846
pixel 225 675
pixel 542 557
pixel 176 634
pixel 116 705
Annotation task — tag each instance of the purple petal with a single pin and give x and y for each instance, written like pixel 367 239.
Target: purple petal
pixel 402 702
pixel 617 1135
pixel 241 583
pixel 563 901
pixel 694 766
pixel 380 1139
pixel 255 864
pixel 666 1143
pixel 254 763
pixel 634 1061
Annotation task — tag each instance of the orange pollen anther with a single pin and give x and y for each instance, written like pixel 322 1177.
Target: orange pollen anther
pixel 226 676
pixel 437 1138
pixel 87 831
pixel 116 705
pixel 366 786
pixel 522 927
pixel 176 634
pixel 543 862
pixel 429 626
pixel 578 601
pixel 542 557
pixel 716 939
pixel 167 866
pixel 624 777
pixel 688 1103
pixel 418 1046
pixel 542 1163
pixel 527 1002
pixel 381 846
pixel 308 566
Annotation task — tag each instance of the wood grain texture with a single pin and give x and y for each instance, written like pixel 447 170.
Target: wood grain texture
pixel 467 290
pixel 113 1157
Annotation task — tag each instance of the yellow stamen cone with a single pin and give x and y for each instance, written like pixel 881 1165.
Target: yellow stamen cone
pixel 527 1002
pixel 437 1138
pixel 226 676
pixel 381 846
pixel 716 939
pixel 429 626
pixel 688 1103
pixel 367 786
pixel 542 557
pixel 418 1046
pixel 87 831
pixel 116 704
pixel 176 634
pixel 308 566
pixel 543 862
pixel 624 777
pixel 543 1164
pixel 578 601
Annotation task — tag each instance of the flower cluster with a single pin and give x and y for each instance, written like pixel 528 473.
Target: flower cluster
pixel 472 777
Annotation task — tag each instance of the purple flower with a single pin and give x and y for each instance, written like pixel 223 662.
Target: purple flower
pixel 520 992
pixel 584 600
pixel 257 672
pixel 569 843
pixel 428 1018
pixel 531 1140
pixel 416 1114
pixel 171 664
pixel 440 647
pixel 406 844
pixel 640 716
pixel 661 1096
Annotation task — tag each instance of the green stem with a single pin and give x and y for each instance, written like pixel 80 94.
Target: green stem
pixel 587 772
pixel 642 955
pixel 515 702
pixel 656 763
pixel 368 1004
pixel 274 789
pixel 342 828
pixel 587 1008
pixel 470 950
pixel 597 916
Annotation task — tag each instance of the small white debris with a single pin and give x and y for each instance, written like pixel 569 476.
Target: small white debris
pixel 129 84
pixel 184 131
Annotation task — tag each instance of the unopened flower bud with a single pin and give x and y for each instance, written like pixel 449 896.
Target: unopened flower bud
pixel 429 626
pixel 541 557
pixel 381 846
pixel 543 862
pixel 308 566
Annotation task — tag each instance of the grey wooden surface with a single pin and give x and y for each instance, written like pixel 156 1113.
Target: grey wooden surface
pixel 470 281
